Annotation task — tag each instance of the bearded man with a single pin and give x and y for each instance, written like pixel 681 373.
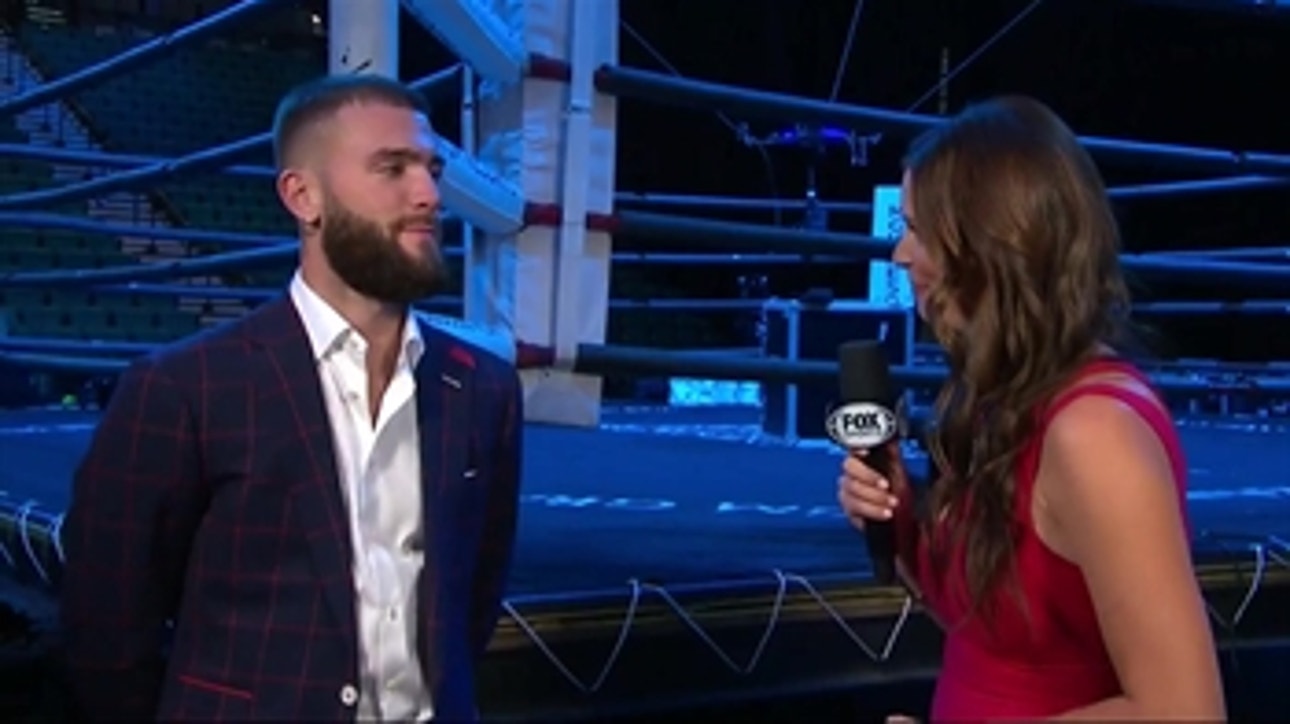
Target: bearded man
pixel 307 514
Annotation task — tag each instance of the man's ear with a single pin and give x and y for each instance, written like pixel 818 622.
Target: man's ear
pixel 299 190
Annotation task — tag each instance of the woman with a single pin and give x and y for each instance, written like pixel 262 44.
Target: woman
pixel 1053 546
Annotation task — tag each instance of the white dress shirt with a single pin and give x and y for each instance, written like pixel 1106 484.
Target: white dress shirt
pixel 379 464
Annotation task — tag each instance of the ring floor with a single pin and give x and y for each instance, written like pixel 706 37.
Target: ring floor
pixel 700 496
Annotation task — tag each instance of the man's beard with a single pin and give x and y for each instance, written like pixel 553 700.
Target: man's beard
pixel 368 258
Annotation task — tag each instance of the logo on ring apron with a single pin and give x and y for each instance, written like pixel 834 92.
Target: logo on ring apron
pixel 861 425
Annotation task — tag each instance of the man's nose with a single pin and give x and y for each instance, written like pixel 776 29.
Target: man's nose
pixel 425 192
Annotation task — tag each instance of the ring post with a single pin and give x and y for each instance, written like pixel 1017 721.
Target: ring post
pixel 363 37
pixel 555 139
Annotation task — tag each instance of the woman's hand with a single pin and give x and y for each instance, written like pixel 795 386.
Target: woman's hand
pixel 865 494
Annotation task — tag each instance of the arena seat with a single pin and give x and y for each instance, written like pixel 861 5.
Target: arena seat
pixel 77 314
pixel 18 174
pixel 31 312
pixel 81 314
pixel 191 100
pixel 101 324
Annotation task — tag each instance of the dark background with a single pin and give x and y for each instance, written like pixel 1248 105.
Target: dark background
pixel 1195 72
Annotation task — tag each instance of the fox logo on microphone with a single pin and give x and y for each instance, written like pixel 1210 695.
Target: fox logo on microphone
pixel 861 425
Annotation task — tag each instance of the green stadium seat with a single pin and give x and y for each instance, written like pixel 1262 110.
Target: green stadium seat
pixel 191 100
pixel 235 97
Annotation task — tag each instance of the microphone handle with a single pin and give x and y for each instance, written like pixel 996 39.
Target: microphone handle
pixel 880 536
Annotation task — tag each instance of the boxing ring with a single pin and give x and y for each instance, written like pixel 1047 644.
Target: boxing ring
pixel 668 553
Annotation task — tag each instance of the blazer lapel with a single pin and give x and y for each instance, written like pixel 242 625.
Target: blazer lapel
pixel 444 377
pixel 292 402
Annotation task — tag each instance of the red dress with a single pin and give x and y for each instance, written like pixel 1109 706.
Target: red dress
pixel 1056 661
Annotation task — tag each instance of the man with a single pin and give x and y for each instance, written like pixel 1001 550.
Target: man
pixel 320 498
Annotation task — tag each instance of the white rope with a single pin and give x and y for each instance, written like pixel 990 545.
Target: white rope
pixel 24 534
pixel 637 591
pixel 892 636
pixel 628 618
pixel 1271 548
pixel 56 533
pixel 776 608
pixel 1274 549
pixel 4 550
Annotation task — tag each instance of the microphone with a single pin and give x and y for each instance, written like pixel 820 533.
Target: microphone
pixel 867 418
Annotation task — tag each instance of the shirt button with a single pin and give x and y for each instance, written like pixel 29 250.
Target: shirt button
pixel 348 695
pixel 394 614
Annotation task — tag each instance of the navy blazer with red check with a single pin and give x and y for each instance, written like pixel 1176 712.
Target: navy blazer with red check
pixel 208 517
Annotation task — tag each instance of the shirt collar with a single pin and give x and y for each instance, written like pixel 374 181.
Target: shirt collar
pixel 327 330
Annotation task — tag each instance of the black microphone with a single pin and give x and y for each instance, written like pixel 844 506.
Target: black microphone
pixel 867 418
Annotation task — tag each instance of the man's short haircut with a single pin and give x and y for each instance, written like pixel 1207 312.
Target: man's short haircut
pixel 318 100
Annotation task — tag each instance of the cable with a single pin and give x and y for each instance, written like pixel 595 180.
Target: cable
pixel 981 49
pixel 739 129
pixel 845 59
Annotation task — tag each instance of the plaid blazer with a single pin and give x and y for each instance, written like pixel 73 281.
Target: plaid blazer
pixel 207 518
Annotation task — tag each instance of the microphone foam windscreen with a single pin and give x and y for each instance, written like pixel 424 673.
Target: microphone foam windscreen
pixel 864 373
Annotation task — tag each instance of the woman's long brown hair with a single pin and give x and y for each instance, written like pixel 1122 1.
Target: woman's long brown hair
pixel 1015 214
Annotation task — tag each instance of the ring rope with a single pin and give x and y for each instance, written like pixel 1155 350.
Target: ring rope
pixel 203 161
pixel 608 360
pixel 447 304
pixel 130 161
pixel 624 82
pixel 734 237
pixel 137 56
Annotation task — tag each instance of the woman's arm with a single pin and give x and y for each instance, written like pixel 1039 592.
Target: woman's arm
pixel 1107 483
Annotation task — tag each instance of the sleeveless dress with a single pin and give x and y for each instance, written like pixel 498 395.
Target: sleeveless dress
pixel 1050 659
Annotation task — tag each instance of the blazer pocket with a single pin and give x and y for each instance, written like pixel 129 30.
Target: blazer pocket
pixel 214 687
pixel 193 698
